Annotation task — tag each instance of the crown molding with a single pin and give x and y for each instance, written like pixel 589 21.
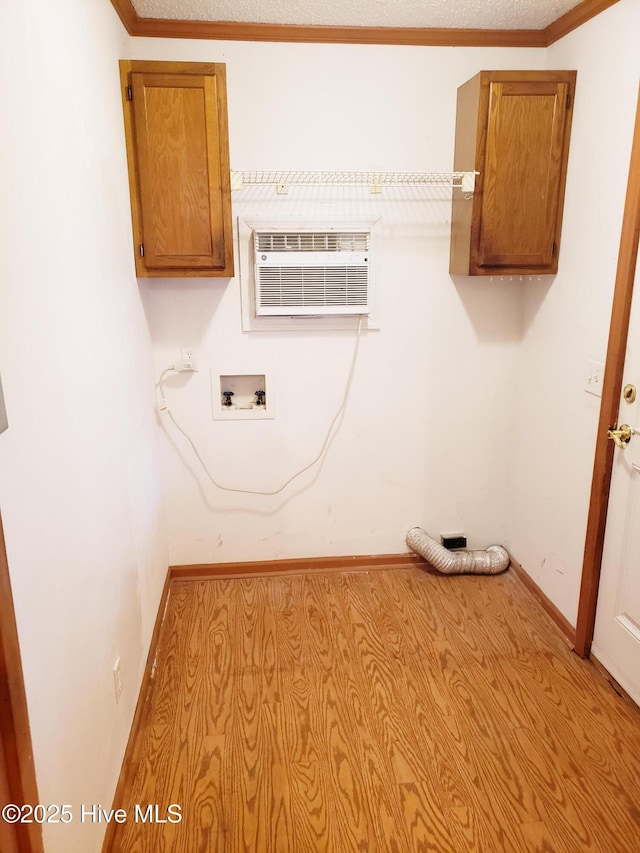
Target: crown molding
pixel 234 31
pixel 448 37
pixel 574 18
pixel 126 13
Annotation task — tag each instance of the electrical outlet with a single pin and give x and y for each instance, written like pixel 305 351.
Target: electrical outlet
pixel 117 679
pixel 188 353
pixel 594 377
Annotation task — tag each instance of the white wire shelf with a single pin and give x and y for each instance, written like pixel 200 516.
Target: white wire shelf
pixel 374 180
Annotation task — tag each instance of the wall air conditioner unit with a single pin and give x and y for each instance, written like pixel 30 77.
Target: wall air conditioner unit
pixel 311 273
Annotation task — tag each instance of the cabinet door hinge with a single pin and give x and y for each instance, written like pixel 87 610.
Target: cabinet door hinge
pixel 129 93
pixel 142 250
pixel 568 101
pixel 554 249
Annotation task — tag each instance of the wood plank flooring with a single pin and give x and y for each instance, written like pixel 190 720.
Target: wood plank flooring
pixel 391 710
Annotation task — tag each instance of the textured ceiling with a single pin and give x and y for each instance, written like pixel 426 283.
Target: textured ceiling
pixel 480 14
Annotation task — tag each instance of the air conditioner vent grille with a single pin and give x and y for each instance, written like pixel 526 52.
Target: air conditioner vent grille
pixel 313 287
pixel 312 241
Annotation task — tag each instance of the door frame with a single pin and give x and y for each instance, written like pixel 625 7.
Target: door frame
pixel 14 717
pixel 610 404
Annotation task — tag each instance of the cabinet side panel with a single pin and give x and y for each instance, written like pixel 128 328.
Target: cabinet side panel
pixel 219 170
pixel 464 161
pixel 522 167
pixel 570 83
pixel 132 165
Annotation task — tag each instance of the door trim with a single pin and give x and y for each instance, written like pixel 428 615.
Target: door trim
pixel 611 390
pixel 14 718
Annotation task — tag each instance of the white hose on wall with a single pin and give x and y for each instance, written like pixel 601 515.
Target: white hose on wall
pixel 490 562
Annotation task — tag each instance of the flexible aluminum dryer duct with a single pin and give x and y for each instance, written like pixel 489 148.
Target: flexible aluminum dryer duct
pixel 490 562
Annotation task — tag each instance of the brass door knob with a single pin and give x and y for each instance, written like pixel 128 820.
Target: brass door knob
pixel 620 436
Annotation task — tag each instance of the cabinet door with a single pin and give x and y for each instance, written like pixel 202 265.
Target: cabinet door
pixel 182 206
pixel 523 175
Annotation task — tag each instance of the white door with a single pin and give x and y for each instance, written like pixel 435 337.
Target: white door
pixel 616 639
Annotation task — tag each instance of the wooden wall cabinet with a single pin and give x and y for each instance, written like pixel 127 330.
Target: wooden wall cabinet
pixel 179 178
pixel 513 128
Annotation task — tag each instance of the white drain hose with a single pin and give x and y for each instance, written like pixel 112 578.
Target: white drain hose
pixel 490 562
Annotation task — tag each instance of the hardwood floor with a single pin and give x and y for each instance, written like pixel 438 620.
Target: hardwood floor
pixel 388 710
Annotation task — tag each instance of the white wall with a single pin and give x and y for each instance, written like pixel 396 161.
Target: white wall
pixel 423 438
pixel 566 324
pixel 79 483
